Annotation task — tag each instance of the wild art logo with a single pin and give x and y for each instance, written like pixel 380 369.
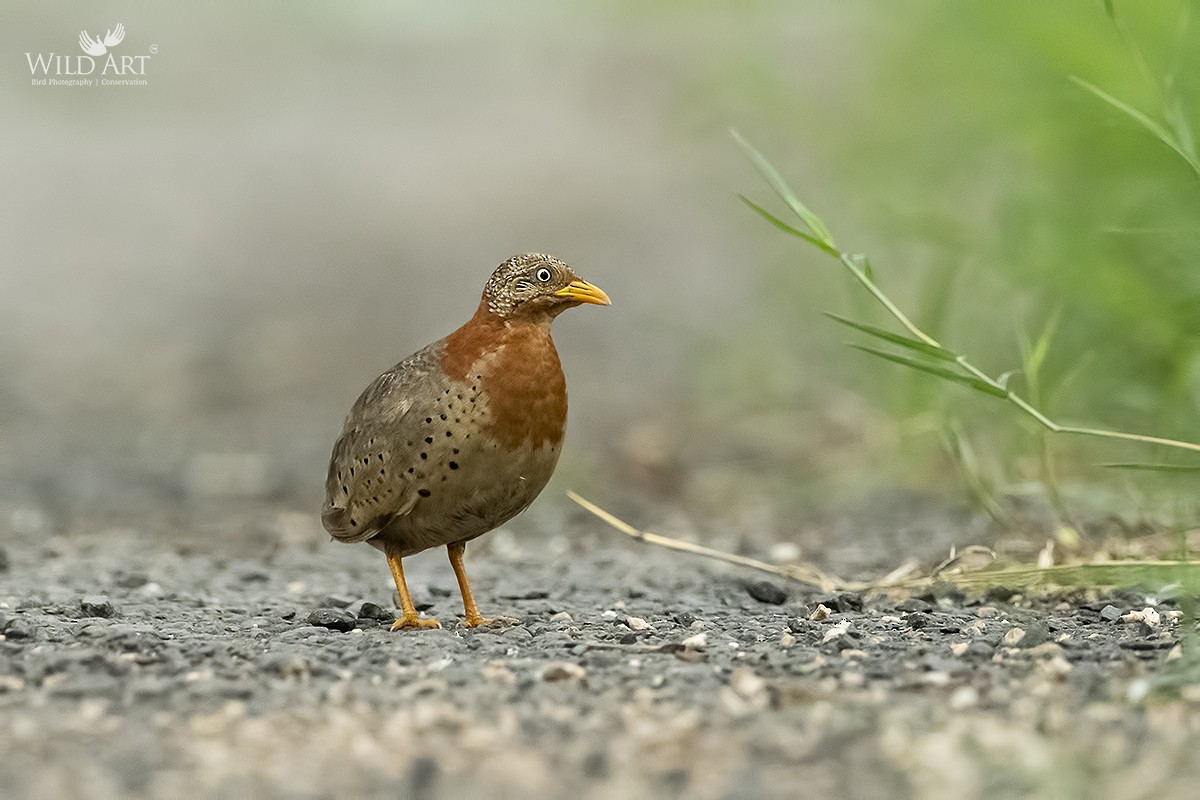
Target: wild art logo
pixel 98 66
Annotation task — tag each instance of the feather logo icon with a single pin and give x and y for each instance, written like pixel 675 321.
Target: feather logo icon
pixel 98 46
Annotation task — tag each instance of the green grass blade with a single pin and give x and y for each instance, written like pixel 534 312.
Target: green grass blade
pixel 933 369
pixel 1149 467
pixel 769 173
pixel 783 226
pixel 895 338
pixel 1150 574
pixel 1161 133
pixel 1041 348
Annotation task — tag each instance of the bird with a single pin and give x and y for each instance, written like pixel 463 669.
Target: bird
pixel 462 435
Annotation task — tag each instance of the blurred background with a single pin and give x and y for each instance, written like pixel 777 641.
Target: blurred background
pixel 199 275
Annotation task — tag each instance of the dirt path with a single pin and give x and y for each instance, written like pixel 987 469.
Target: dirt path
pixel 133 669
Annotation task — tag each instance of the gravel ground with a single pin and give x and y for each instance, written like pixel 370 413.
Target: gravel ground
pixel 132 665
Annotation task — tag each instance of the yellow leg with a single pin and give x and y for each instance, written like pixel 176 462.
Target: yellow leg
pixel 474 618
pixel 409 617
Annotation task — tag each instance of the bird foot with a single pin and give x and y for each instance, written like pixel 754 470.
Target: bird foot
pixel 414 622
pixel 480 621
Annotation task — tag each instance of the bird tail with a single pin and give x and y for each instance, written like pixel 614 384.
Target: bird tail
pixel 337 521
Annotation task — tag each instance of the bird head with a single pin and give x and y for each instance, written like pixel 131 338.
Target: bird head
pixel 537 287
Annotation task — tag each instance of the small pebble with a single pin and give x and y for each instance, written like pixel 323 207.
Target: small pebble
pixel 557 671
pixel 684 618
pixel 980 650
pixel 697 642
pixel 767 592
pixel 97 605
pixel 787 640
pixel 821 612
pixel 332 618
pixel 637 624
pixel 1035 634
pixel 18 629
pixel 1146 615
pixel 1013 636
pixel 836 631
pixel 1110 613
pixel 964 697
pixel 365 609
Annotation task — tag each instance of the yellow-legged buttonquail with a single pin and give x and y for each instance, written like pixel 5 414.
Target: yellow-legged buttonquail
pixel 462 435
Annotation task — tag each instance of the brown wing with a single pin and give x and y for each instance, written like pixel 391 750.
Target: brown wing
pixel 370 477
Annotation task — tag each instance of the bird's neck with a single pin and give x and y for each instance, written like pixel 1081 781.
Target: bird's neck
pixel 517 361
pixel 487 332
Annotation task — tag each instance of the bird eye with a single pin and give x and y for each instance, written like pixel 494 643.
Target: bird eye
pixel 542 274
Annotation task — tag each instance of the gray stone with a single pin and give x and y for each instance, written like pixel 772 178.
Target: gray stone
pixel 18 629
pixel 767 592
pixel 97 605
pixel 365 609
pixel 332 618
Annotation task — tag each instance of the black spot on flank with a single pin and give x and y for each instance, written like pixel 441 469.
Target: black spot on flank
pixel 443 479
pixel 454 464
pixel 428 420
pixel 456 451
pixel 410 470
pixel 423 492
pixel 457 419
pixel 443 416
pixel 449 434
pixel 459 396
pixel 424 456
pixel 428 440
pixel 410 444
pixel 345 489
pixel 380 456
pixel 353 523
pixel 478 377
pixel 382 472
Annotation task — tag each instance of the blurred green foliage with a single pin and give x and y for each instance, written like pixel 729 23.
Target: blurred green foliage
pixel 993 195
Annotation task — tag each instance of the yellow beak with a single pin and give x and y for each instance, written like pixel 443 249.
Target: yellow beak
pixel 584 292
